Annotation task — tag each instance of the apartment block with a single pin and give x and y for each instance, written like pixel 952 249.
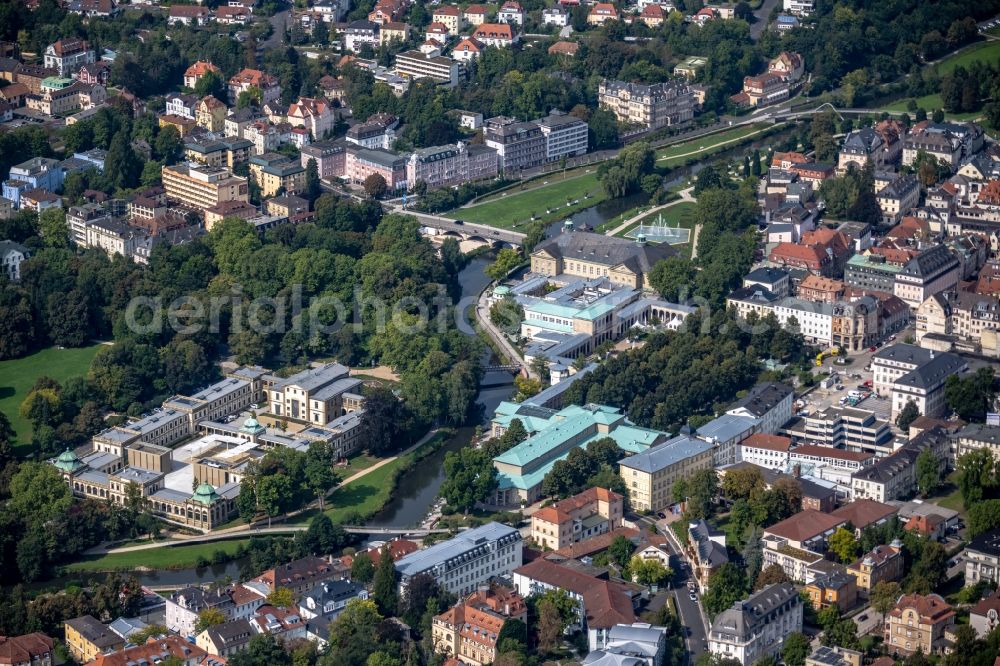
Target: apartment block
pixel 919 623
pixel 451 164
pixel 648 105
pixel 650 475
pixel 201 187
pixel 756 627
pixel 518 144
pixel 463 563
pixel 417 65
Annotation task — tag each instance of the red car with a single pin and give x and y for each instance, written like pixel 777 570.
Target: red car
pixel 871 349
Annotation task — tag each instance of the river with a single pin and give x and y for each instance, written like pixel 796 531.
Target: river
pixel 417 490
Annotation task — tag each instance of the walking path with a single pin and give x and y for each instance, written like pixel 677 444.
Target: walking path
pixel 254 528
pixel 685 198
pixel 702 149
pixel 694 241
pixel 483 317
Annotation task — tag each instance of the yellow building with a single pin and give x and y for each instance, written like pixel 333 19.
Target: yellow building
pixel 87 639
pixel 882 563
pixel 272 172
pixel 183 125
pixel 469 630
pixel 202 186
pixel 211 114
pixel 650 475
pixel 623 261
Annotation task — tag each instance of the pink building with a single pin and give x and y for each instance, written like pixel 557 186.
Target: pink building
pixel 363 162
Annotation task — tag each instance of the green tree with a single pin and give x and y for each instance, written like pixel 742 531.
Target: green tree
pixel 209 617
pixel 770 575
pixel 884 596
pixel 168 146
pixel 928 473
pixel 507 260
pixel 469 478
pixel 795 649
pixel 603 126
pixel 384 592
pixel 976 473
pixel 648 571
pixel 726 585
pixel 362 569
pixel 122 167
pixel 313 187
pixel 211 84
pixel 53 228
pixel 620 551
pixel 844 544
pixel 375 186
pixel 673 278
pixel 907 415
pixel 281 597
pixel 971 396
pixel 318 471
pixel 983 517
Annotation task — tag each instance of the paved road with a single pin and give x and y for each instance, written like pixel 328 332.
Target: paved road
pixel 278 24
pixel 692 616
pixel 757 28
pixel 467 228
pixel 868 621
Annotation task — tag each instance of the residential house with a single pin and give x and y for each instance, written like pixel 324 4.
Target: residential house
pixel 897 198
pixel 881 564
pixel 66 56
pixel 12 255
pixel 895 476
pixel 767 451
pixel 770 403
pixel 918 622
pixel 798 542
pixel 313 114
pixel 34 649
pixel 756 627
pixel 188 15
pixel 591 512
pixel 195 72
pixel 87 638
pixel 210 113
pixel 836 589
pixel 328 600
pixel 450 17
pixel 246 79
pixel 226 639
pixel 601 12
pixel 469 630
pixel 982 558
pixel 823 251
pixel 707 551
pixel 637 644
pixel 650 475
pixel 159 648
pixel 556 16
pixel 601 604
pixel 984 617
pixel 500 35
pixel 511 12
pixel 476 15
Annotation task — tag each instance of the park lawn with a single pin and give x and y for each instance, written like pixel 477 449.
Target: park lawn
pixel 513 209
pixel 723 523
pixel 365 495
pixel 17 376
pixel 681 214
pixel 986 52
pixel 356 464
pixel 167 557
pixel 705 145
pixel 929 103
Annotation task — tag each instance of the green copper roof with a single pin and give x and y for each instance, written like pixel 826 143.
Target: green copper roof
pixel 68 461
pixel 205 494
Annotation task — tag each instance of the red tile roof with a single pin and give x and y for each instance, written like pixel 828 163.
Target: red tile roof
pixel 805 525
pixel 864 512
pixel 770 442
pixel 606 603
pixel 932 608
pixel 24 649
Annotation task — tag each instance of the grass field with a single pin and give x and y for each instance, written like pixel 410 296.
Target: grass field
pixel 677 215
pixel 987 52
pixel 17 376
pixel 172 557
pixel 513 209
pixel 929 103
pixel 704 146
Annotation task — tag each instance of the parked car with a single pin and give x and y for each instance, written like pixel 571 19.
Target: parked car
pixel 693 597
pixel 863 618
pixel 661 515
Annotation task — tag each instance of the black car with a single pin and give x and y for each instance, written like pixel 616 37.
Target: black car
pixel 661 515
pixel 459 221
